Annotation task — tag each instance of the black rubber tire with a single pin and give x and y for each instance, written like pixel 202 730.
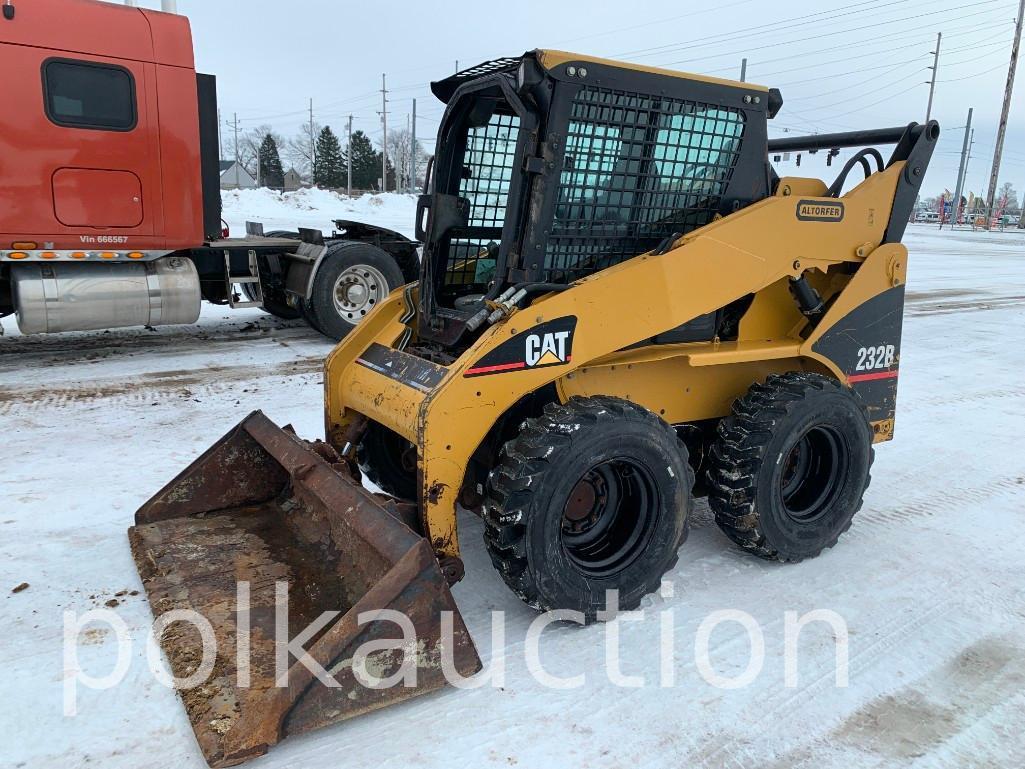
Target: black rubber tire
pixel 529 488
pixel 274 302
pixel 306 310
pixel 380 454
pixel 340 257
pixel 752 454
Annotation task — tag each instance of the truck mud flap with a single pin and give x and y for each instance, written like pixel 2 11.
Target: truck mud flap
pixel 266 513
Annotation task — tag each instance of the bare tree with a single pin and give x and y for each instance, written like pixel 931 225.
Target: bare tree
pixel 299 150
pixel 249 147
pixel 408 169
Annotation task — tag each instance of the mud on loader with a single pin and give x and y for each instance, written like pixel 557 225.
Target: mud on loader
pixel 619 296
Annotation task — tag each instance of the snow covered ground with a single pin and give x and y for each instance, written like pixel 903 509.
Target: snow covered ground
pixel 930 580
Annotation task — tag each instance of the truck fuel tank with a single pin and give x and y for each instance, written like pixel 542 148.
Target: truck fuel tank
pixel 50 298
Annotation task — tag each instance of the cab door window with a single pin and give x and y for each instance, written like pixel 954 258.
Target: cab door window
pixel 81 94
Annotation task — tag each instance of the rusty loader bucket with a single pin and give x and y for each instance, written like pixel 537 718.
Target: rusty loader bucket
pixel 266 510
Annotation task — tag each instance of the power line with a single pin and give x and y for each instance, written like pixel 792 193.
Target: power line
pixel 759 29
pixel 889 22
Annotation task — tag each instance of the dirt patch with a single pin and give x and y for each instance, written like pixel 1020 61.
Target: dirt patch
pixel 94 636
pixel 915 719
pixel 20 588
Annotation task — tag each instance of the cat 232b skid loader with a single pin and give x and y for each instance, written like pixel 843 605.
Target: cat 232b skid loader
pixel 622 305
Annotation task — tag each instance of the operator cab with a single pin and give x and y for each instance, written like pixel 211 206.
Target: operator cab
pixel 555 166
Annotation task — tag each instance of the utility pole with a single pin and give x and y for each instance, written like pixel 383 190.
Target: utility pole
pixel 348 159
pixel 313 142
pixel 238 158
pixel 743 70
pixel 220 140
pixel 457 65
pixel 994 176
pixel 412 153
pixel 935 68
pixel 384 139
pixel 959 190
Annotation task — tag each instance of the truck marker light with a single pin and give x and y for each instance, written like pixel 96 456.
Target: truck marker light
pixel 48 255
pixel 79 255
pixel 136 255
pixel 108 255
pixel 18 255
pixel 28 246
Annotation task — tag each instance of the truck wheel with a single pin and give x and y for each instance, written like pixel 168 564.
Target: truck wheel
pixel 351 281
pixel 306 309
pixel 388 461
pixel 790 465
pixel 274 302
pixel 591 496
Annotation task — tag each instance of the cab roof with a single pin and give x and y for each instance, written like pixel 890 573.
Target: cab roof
pixel 550 60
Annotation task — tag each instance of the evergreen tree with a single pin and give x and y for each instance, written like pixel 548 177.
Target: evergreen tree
pixel 366 164
pixel 329 169
pixel 271 173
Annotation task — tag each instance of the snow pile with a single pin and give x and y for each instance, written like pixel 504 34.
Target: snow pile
pixel 315 208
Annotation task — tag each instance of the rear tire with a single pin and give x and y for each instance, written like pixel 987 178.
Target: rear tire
pixel 388 461
pixel 351 281
pixel 789 467
pixel 591 496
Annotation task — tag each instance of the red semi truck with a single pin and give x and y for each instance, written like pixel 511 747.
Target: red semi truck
pixel 110 207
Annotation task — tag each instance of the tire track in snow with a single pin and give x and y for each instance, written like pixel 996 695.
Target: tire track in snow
pixel 942 501
pixel 18 349
pixel 144 389
pixel 953 307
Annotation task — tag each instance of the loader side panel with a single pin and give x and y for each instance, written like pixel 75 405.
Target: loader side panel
pixel 865 344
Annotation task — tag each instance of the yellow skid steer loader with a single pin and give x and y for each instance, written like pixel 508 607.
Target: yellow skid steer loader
pixel 621 305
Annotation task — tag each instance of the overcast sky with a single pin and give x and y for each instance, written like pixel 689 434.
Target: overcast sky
pixel 840 66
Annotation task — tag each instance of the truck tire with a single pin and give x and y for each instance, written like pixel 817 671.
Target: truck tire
pixel 388 460
pixel 274 302
pixel 352 279
pixel 591 496
pixel 790 465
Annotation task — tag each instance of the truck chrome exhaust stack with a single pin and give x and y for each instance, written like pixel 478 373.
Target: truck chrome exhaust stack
pixel 50 298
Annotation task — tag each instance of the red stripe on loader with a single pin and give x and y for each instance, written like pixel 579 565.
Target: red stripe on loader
pixel 873 377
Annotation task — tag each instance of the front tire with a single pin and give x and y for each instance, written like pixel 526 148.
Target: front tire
pixel 593 495
pixel 351 281
pixel 790 466
pixel 388 461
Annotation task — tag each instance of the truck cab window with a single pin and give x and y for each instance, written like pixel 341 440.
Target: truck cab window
pixel 81 94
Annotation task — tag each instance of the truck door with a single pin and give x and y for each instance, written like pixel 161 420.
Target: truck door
pixel 88 162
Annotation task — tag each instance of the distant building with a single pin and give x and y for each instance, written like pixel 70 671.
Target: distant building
pixel 293 180
pixel 235 177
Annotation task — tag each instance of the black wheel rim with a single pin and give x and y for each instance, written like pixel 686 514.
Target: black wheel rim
pixel 609 516
pixel 814 474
